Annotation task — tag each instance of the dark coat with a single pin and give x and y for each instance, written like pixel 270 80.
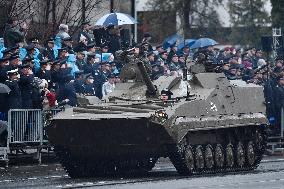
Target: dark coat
pixel 44 74
pixel 15 97
pixel 49 53
pixel 3 74
pixel 68 92
pixel 88 36
pixel 79 88
pixel 114 44
pixel 89 89
pixel 26 86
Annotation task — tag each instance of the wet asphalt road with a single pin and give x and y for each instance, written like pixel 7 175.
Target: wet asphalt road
pixel 270 174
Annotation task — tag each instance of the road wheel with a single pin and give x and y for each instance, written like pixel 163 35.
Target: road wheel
pixel 229 155
pixel 240 154
pixel 189 158
pixel 199 158
pixel 219 156
pixel 250 153
pixel 209 157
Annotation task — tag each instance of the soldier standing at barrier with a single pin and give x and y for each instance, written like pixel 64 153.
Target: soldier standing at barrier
pixel 26 86
pixel 14 98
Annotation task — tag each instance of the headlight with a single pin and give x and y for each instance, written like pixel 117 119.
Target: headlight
pixel 161 115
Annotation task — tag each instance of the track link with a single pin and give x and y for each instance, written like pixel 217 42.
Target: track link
pixel 177 155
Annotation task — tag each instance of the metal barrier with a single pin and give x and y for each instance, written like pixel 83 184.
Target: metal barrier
pixel 26 130
pixel 25 126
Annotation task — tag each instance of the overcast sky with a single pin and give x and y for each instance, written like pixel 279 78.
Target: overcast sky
pixel 223 12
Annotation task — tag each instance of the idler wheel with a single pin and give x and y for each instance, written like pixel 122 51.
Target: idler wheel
pixel 199 158
pixel 209 157
pixel 240 153
pixel 250 153
pixel 229 155
pixel 219 156
pixel 189 158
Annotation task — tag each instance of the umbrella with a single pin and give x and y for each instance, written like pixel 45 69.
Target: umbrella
pixel 187 42
pixel 4 89
pixel 203 42
pixel 171 40
pixel 115 19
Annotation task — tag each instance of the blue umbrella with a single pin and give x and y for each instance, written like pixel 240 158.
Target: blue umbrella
pixel 171 40
pixel 115 19
pixel 203 42
pixel 187 42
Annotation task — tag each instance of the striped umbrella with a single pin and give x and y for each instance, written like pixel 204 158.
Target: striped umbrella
pixel 115 19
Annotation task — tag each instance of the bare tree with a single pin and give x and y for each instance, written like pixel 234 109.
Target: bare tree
pixel 44 16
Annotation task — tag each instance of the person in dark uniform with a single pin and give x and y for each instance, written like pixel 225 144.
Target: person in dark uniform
pixel 79 82
pixel 44 72
pixel 146 39
pixel 172 52
pixel 26 86
pixel 49 51
pixel 30 62
pixel 157 71
pixel 166 95
pixel 30 51
pixel 62 53
pixel 14 62
pixel 15 98
pixel 279 89
pixel 114 40
pixel 14 34
pixel 182 61
pixel 63 72
pixel 4 62
pixel 174 64
pixel 163 56
pixel 90 66
pixel 67 93
pixel 55 74
pixel 89 85
pixel 99 80
pixel 151 57
pixel 7 53
pixel 68 44
pixel 80 60
pixel 85 33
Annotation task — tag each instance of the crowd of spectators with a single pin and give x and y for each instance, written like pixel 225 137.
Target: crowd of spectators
pixel 43 75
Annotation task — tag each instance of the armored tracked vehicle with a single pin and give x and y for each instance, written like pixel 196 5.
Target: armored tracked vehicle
pixel 206 125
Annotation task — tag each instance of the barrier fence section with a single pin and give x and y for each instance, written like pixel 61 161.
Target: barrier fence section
pixel 26 129
pixel 25 126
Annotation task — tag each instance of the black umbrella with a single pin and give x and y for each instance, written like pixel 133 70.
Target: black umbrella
pixel 4 89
